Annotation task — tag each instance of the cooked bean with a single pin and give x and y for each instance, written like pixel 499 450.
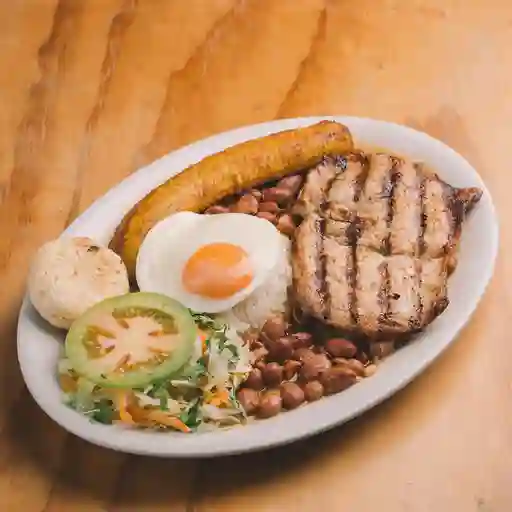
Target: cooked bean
pixel 280 350
pixel 270 404
pixel 217 208
pixel 356 366
pixel 313 390
pixel 291 395
pixel 340 347
pixel 246 204
pixel 291 183
pixel 301 354
pixel 275 328
pixel 279 195
pixel 267 216
pixel 249 399
pixel 255 380
pixel 352 364
pixel 382 349
pixel 290 369
pixel 337 379
pixel 269 206
pixel 314 366
pixel 272 374
pixel 302 339
pixel 286 225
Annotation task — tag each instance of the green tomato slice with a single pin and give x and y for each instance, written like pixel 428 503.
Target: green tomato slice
pixel 131 340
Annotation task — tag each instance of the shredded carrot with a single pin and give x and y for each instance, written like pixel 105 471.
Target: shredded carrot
pixel 122 403
pixel 167 420
pixel 219 398
pixel 203 336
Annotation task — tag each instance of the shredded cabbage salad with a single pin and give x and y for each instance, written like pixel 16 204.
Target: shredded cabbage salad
pixel 201 396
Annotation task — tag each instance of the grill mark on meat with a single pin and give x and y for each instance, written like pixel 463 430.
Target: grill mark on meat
pixel 421 244
pixel 420 305
pixel 353 234
pixel 372 207
pixel 394 176
pixel 363 175
pixel 325 296
pixel 385 297
pixel 423 215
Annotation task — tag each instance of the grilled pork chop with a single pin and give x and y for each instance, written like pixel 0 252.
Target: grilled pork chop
pixel 377 243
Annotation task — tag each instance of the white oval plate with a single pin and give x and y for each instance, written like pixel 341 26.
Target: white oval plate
pixel 38 345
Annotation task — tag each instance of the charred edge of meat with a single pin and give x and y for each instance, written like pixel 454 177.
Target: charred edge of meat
pixel 461 204
pixel 341 166
pixel 394 176
pixel 441 305
pixel 469 197
pixel 437 309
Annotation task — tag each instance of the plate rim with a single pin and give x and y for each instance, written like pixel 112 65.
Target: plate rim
pixel 106 436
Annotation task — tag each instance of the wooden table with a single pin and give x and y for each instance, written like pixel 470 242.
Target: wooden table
pixel 92 90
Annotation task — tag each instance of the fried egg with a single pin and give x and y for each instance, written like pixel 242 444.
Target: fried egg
pixel 209 263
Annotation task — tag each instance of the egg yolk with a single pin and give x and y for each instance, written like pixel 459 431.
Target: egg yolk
pixel 217 271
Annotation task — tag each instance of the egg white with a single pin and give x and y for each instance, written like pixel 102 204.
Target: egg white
pixel 171 242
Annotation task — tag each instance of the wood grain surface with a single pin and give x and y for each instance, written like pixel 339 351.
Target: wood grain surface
pixel 91 90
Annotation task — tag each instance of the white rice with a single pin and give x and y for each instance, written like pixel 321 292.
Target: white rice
pixel 270 298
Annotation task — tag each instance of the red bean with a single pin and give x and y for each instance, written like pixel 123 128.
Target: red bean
pixel 314 366
pixel 275 328
pixel 302 339
pixel 246 204
pixel 272 374
pixel 291 395
pixel 255 380
pixel 267 216
pixel 286 225
pixel 280 350
pixel 270 404
pixel 217 209
pixel 313 390
pixel 249 399
pixel 340 347
pixel 278 195
pixel 337 379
